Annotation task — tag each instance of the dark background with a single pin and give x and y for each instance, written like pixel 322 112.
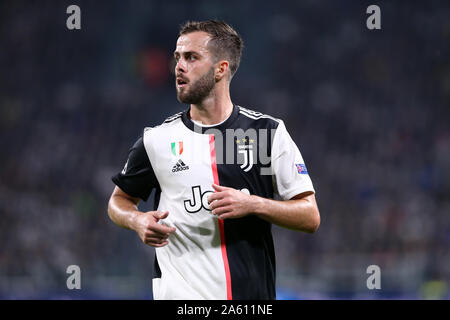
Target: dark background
pixel 369 111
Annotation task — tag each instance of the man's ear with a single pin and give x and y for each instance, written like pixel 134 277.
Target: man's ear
pixel 221 70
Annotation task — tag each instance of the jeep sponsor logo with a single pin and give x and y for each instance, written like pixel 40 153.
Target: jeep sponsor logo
pixel 199 200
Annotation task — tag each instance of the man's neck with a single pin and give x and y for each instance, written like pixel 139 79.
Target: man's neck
pixel 212 110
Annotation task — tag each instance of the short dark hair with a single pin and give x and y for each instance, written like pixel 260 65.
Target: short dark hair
pixel 225 42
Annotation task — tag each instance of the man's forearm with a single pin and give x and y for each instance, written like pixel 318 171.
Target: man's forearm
pixel 298 214
pixel 122 211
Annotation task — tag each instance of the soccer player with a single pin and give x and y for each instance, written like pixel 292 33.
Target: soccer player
pixel 216 169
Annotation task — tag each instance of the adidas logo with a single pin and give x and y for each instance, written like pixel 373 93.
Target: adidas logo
pixel 180 166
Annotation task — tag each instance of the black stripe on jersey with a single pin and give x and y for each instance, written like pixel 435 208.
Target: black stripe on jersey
pixel 249 243
pixel 248 240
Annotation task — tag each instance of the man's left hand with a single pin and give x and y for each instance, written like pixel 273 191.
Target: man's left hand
pixel 227 202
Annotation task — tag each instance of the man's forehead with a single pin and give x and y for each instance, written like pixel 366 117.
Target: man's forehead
pixel 194 41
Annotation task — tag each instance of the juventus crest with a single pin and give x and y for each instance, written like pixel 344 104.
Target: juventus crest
pixel 246 150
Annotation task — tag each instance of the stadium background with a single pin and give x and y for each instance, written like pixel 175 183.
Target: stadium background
pixel 368 109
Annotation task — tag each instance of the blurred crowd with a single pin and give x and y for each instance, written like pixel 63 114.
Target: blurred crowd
pixel 369 111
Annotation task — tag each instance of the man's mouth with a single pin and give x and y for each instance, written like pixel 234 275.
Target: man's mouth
pixel 181 83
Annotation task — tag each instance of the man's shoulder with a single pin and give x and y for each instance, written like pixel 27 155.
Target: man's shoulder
pixel 169 122
pixel 256 118
pixel 173 118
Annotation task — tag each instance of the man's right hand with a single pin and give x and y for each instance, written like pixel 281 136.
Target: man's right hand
pixel 150 231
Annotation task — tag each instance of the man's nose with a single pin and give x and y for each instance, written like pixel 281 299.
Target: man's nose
pixel 180 66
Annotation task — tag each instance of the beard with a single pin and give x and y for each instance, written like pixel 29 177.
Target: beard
pixel 196 92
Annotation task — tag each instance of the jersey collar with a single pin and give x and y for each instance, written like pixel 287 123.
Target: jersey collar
pixel 222 126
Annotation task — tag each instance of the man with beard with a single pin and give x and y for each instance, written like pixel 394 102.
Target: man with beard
pixel 214 205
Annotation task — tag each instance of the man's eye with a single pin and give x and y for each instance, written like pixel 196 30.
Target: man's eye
pixel 192 58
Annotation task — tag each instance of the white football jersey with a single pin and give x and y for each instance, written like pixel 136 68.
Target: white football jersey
pixel 210 258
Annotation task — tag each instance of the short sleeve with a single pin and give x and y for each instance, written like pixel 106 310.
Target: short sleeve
pixel 289 169
pixel 137 178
